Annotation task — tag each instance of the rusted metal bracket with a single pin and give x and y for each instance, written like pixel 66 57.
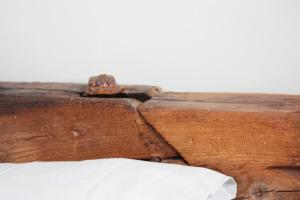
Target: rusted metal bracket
pixel 103 85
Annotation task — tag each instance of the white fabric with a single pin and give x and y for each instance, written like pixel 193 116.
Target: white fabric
pixel 112 179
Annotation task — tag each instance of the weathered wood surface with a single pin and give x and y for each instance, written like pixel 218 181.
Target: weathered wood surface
pixel 230 134
pixel 242 135
pixel 68 87
pixel 140 92
pixel 61 125
pixel 252 137
pixel 268 184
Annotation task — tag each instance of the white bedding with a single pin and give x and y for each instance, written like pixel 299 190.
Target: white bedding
pixel 112 179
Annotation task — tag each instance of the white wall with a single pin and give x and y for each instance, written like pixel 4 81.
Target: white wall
pixel 229 46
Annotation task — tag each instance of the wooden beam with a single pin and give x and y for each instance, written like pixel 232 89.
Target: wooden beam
pixel 139 92
pixel 232 133
pixel 42 124
pixel 247 136
pixel 252 137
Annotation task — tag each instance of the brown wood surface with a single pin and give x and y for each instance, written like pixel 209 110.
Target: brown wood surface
pixel 242 135
pixel 61 125
pixel 268 184
pixel 252 137
pixel 141 92
pixel 231 134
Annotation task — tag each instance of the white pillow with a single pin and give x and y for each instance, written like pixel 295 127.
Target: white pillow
pixel 112 179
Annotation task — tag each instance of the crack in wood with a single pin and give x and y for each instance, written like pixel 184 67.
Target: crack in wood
pixel 260 195
pixel 157 133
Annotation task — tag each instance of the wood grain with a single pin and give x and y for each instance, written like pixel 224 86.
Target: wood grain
pixel 251 137
pixel 269 184
pixel 60 125
pixel 230 134
pixel 139 92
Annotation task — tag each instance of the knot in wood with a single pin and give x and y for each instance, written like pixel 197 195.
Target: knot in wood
pixel 259 190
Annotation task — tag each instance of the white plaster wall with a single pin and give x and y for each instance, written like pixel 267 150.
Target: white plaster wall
pixel 187 45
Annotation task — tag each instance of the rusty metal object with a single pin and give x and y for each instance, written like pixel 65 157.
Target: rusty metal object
pixel 103 85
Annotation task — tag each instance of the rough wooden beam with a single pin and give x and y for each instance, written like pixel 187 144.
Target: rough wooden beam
pixel 242 135
pixel 140 92
pixel 41 124
pixel 252 137
pixel 268 184
pixel 232 134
